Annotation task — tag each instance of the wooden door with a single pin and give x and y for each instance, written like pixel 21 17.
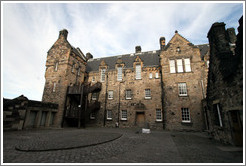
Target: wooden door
pixel 140 119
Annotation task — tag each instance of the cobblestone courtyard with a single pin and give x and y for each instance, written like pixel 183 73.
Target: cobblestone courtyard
pixel 113 145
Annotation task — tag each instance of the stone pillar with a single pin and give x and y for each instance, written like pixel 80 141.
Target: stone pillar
pixel 47 121
pixel 38 119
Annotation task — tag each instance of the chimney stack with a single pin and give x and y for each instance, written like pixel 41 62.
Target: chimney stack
pixel 89 56
pixel 63 34
pixel 138 49
pixel 162 43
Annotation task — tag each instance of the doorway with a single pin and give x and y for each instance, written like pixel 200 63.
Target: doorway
pixel 236 126
pixel 140 119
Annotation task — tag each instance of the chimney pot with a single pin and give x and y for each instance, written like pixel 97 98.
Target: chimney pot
pixel 138 49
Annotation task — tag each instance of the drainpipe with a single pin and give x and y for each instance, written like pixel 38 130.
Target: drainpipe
pixel 203 89
pixel 119 107
pixel 80 105
pixel 105 104
pixel 162 95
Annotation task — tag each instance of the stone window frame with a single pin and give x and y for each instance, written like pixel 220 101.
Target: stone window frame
pixel 127 97
pixel 110 94
pixel 182 89
pixel 172 65
pixel 185 113
pixel 187 65
pixel 158 114
pixel 180 66
pixel 147 93
pixel 123 115
pixel 109 115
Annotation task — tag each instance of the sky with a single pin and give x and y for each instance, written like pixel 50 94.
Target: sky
pixel 103 29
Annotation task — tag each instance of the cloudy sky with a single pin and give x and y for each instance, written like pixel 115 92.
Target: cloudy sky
pixel 103 29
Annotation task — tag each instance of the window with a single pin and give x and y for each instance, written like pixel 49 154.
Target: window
pixel 103 75
pixel 179 66
pixel 138 72
pixel 185 114
pixel 156 75
pixel 172 66
pixel 56 66
pixel 124 115
pixel 73 68
pixel 78 71
pixel 182 89
pixel 217 115
pixel 128 94
pixel 150 75
pixel 109 115
pixel 178 49
pixel 207 64
pixel 158 115
pixel 110 94
pixel 147 94
pixel 94 96
pixel 54 87
pixel 92 115
pixel 93 79
pixel 119 75
pixel 187 65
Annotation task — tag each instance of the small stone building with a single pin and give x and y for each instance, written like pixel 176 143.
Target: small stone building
pixel 157 89
pixel 224 103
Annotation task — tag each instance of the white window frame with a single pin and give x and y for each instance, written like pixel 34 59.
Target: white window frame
pixel 147 94
pixel 172 66
pixel 182 89
pixel 54 87
pixel 156 75
pixel 103 71
pixel 128 94
pixel 138 72
pixel 180 66
pixel 93 96
pixel 187 65
pixel 92 115
pixel 110 94
pixel 158 115
pixel 109 114
pixel 119 73
pixel 123 114
pixel 56 66
pixel 150 75
pixel 185 113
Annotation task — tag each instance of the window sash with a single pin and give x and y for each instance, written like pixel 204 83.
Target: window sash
pixel 110 94
pixel 172 66
pixel 158 115
pixel 119 74
pixel 103 75
pixel 185 114
pixel 147 93
pixel 150 75
pixel 182 89
pixel 179 66
pixel 187 65
pixel 109 114
pixel 128 94
pixel 124 115
pixel 138 71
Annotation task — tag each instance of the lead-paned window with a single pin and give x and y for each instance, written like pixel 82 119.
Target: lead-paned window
pixel 179 66
pixel 158 115
pixel 138 71
pixel 119 74
pixel 187 65
pixel 172 66
pixel 109 114
pixel 103 75
pixel 182 89
pixel 147 94
pixel 185 114
pixel 124 115
pixel 129 94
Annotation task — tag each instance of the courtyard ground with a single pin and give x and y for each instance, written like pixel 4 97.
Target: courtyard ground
pixel 114 145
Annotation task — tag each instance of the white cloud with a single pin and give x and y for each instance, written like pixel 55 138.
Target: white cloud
pixel 104 29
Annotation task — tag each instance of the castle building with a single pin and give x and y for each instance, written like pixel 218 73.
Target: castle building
pixel 158 89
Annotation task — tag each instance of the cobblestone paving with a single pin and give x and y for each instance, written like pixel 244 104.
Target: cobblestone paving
pixel 131 147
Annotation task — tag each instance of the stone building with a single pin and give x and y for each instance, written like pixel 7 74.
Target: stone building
pixel 158 89
pixel 224 102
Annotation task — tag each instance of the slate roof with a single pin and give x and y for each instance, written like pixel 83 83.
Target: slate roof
pixel 204 48
pixel 150 58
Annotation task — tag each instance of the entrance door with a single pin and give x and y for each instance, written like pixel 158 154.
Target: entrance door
pixel 140 119
pixel 237 130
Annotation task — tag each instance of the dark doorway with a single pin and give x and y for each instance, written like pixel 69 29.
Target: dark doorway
pixel 236 126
